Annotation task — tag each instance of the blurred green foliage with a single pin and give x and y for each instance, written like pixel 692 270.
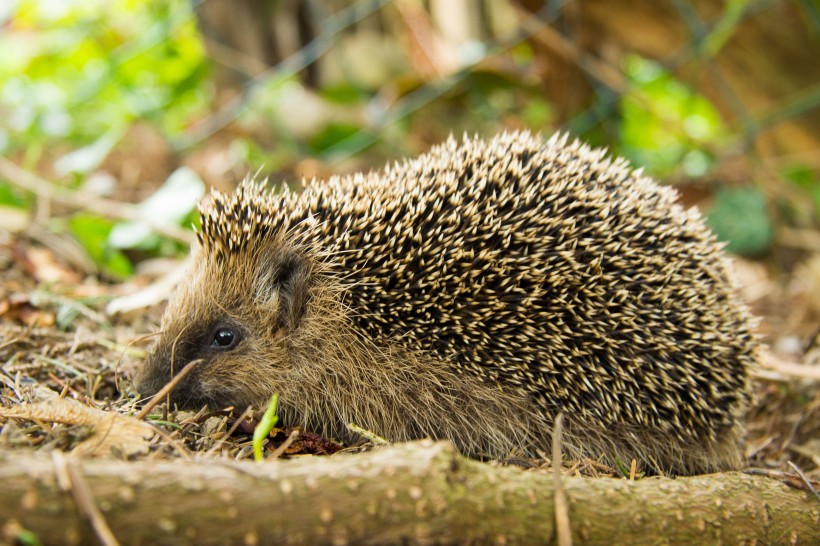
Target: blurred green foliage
pixel 740 218
pixel 72 70
pixel 92 233
pixel 806 180
pixel 665 126
pixel 668 129
pixel 11 198
pixel 75 74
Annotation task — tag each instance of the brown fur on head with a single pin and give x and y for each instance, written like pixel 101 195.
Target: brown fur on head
pixel 291 334
pixel 233 314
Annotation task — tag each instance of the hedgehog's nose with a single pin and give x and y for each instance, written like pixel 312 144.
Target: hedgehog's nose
pixel 148 384
pixel 152 376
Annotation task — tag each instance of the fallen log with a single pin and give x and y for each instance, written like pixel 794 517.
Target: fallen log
pixel 416 493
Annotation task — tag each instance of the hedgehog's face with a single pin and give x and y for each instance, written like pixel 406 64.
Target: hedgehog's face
pixel 234 321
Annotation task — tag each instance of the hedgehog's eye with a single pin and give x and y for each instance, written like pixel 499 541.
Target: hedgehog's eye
pixel 224 337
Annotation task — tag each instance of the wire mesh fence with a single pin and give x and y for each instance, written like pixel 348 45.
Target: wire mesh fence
pixel 699 39
pixel 703 95
pixel 721 99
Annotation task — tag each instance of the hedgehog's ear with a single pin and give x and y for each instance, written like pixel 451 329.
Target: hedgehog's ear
pixel 283 283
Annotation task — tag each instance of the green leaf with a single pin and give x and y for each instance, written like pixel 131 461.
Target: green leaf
pixel 665 125
pixel 11 197
pixel 27 538
pixel 344 94
pixel 266 424
pixel 70 71
pixel 807 180
pixel 332 135
pixel 739 217
pixel 92 233
pixel 537 113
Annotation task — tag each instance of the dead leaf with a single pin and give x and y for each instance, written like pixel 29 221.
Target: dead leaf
pixel 113 434
pixel 19 308
pixel 46 267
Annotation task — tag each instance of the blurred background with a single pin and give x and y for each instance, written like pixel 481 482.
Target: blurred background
pixel 116 116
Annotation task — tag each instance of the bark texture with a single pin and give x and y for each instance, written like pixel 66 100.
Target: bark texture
pixel 417 493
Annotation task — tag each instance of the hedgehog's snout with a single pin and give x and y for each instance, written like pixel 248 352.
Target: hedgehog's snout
pixel 157 372
pixel 150 378
pixel 158 369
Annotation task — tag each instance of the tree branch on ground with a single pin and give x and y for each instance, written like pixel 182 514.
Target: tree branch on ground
pixel 412 493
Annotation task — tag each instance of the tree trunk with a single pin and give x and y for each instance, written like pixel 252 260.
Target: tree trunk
pixel 416 493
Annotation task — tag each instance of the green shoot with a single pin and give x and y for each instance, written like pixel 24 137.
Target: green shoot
pixel 269 420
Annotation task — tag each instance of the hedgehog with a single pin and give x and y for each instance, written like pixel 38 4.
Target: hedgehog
pixel 472 294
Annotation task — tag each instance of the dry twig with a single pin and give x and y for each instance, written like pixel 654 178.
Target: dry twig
pixel 167 389
pixel 562 525
pixel 72 481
